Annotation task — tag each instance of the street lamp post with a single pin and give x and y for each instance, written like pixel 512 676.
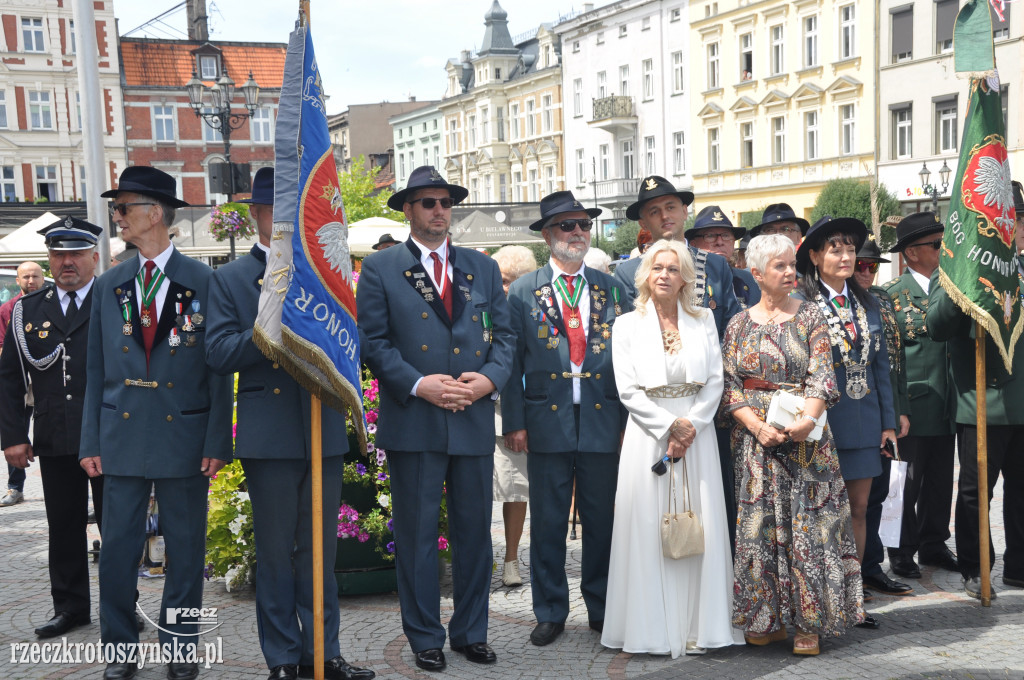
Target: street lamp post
pixel 220 117
pixel 930 189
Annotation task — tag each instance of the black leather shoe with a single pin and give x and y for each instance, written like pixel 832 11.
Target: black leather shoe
pixel 943 560
pixel 869 622
pixel 431 660
pixel 120 671
pixel 61 623
pixel 883 584
pixel 972 586
pixel 903 565
pixel 597 625
pixel 1015 582
pixel 182 671
pixel 545 633
pixel 285 672
pixel 477 652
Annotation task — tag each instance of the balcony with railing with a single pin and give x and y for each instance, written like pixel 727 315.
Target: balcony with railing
pixel 608 189
pixel 614 112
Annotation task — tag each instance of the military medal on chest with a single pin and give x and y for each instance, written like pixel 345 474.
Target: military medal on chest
pixel 126 313
pixel 571 299
pixel 174 339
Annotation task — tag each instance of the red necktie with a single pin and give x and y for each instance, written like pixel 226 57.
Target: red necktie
pixel 149 332
pixel 441 279
pixel 577 339
pixel 841 303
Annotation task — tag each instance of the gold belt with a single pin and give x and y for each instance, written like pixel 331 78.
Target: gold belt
pixel 673 391
pixel 141 383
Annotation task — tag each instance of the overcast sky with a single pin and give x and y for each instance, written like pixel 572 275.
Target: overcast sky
pixel 368 51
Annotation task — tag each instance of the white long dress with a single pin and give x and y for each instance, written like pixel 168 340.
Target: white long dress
pixel 656 605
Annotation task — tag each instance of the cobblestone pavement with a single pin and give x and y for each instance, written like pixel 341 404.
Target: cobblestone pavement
pixel 938 633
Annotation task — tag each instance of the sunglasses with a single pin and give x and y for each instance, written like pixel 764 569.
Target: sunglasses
pixel 123 207
pixel 429 202
pixel 863 266
pixel 936 244
pixel 570 225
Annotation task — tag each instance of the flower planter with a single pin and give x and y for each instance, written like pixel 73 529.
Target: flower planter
pixel 358 568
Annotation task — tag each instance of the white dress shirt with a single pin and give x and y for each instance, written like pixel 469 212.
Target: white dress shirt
pixel 428 263
pixel 80 294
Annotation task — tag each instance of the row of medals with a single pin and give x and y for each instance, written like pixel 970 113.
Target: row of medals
pixel 189 325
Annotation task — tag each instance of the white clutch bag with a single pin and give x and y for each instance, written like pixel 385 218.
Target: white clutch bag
pixel 786 408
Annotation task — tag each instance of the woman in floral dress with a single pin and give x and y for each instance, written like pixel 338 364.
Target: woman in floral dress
pixel 796 560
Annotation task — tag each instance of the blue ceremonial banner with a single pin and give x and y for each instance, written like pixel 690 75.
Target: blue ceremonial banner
pixel 307 314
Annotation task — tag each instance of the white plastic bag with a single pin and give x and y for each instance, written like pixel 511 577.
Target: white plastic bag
pixel 892 506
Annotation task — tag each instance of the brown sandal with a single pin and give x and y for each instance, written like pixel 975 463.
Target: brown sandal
pixel 805 637
pixel 763 639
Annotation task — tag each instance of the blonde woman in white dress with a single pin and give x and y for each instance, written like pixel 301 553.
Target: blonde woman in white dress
pixel 668 369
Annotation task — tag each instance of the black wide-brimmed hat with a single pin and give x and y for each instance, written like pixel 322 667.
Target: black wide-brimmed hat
pixel 147 181
pixel 262 188
pixel 780 212
pixel 1018 198
pixel 653 187
pixel 71 233
pixel 871 251
pixel 426 177
pixel 821 230
pixel 913 227
pixel 745 241
pixel 557 203
pixel 385 239
pixel 710 217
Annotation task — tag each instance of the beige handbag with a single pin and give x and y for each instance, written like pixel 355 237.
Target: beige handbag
pixel 681 532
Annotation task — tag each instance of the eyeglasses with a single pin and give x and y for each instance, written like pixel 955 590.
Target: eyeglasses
pixel 711 238
pixel 936 244
pixel 123 207
pixel 429 202
pixel 570 225
pixel 864 266
pixel 779 230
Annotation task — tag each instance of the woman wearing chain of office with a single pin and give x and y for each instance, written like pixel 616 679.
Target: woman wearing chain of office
pixel 863 419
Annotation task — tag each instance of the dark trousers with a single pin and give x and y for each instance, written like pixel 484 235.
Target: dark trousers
pixel 728 482
pixel 927 496
pixel 416 481
pixel 182 507
pixel 15 477
pixel 551 482
pixel 1006 455
pixel 281 495
pixel 874 553
pixel 66 497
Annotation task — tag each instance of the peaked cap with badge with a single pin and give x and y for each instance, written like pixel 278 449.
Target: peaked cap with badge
pixel 426 177
pixel 710 217
pixel 71 233
pixel 652 187
pixel 147 181
pixel 557 203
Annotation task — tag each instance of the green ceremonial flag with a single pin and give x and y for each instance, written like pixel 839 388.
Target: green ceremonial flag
pixel 978 264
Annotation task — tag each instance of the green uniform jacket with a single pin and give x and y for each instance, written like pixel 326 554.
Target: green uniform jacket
pixel 929 381
pixel 1005 392
pixel 897 357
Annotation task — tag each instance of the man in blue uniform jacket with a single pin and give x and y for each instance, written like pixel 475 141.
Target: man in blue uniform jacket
pixel 154 415
pixel 274 445
pixel 561 405
pixel 434 329
pixel 662 210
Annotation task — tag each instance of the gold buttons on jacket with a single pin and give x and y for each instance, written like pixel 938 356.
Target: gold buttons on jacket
pixel 598 376
pixel 478 352
pixel 456 350
pixel 276 365
pixel 170 385
pixel 170 418
pixel 424 348
pixel 277 390
pixel 554 407
pixel 173 352
pixel 475 317
pixel 597 406
pixel 425 315
pixel 125 348
pixel 125 415
pixel 554 376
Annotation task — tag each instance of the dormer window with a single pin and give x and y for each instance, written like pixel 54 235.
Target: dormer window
pixel 208 67
pixel 497 73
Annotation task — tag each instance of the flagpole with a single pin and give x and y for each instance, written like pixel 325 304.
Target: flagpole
pixel 318 537
pixel 982 423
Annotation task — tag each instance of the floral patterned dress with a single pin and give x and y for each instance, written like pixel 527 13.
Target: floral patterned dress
pixel 796 561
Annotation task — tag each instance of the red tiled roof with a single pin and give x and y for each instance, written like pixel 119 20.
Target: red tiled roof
pixel 170 63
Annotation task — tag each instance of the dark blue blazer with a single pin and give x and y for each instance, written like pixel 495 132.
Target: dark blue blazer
pixel 719 296
pixel 858 423
pixel 748 293
pixel 543 404
pixel 273 409
pixel 405 334
pixel 184 415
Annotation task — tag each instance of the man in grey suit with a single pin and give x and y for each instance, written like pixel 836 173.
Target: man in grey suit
pixel 154 415
pixel 434 329
pixel 662 210
pixel 561 405
pixel 274 445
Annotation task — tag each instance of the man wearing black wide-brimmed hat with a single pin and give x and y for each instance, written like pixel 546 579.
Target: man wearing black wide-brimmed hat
pixel 154 416
pixel 571 423
pixel 43 366
pixel 434 330
pixel 929 446
pixel 779 218
pixel 662 210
